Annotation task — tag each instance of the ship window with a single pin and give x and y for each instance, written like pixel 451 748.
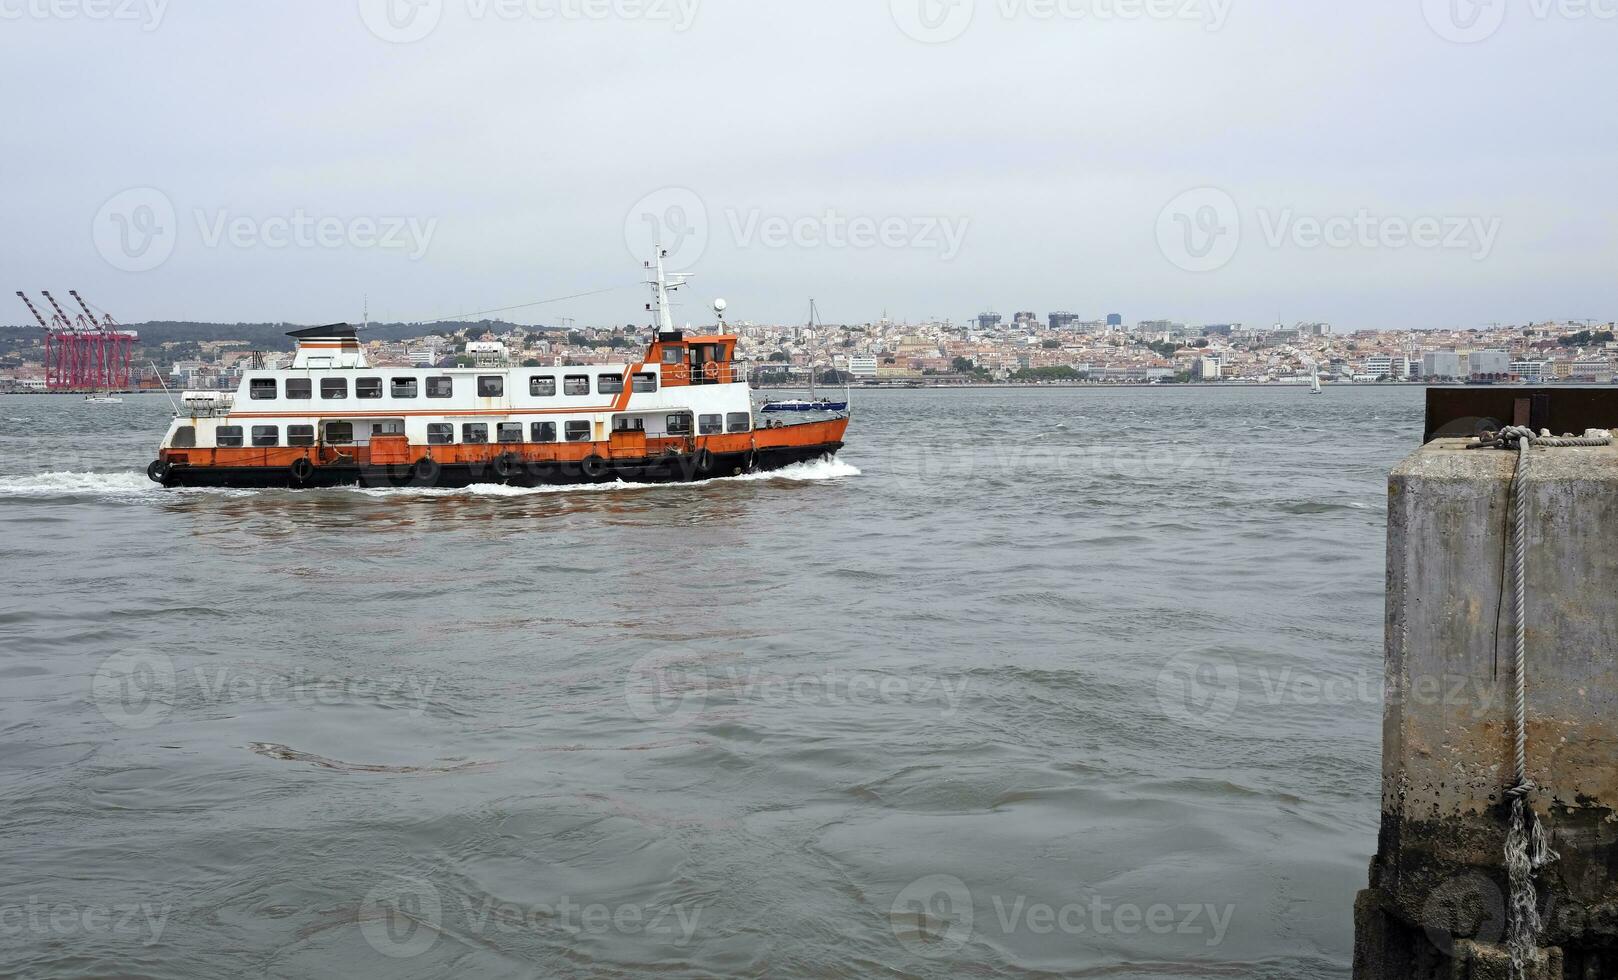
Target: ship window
pixel 707 425
pixel 368 388
pixel 404 387
pixel 625 423
pixel 340 433
pixel 260 389
pixel 300 388
pixel 674 355
pixel 678 425
pixel 441 387
pixel 491 386
pixel 475 432
pixel 509 431
pixel 738 421
pixel 645 382
pixel 333 387
pixel 228 435
pixel 300 435
pixel 543 432
pixel 542 386
pixel 576 384
pixel 578 431
pixel 440 433
pixel 185 437
pixel 266 435
pixel 609 384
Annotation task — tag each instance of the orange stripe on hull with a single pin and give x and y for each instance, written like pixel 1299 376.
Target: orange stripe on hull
pixel 785 437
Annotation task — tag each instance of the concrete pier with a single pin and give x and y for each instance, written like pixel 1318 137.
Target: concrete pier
pixel 1436 905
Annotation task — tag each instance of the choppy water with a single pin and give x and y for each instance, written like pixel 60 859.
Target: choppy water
pixel 1068 681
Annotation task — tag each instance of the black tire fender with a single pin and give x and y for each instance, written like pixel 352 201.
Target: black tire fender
pixel 158 471
pixel 704 460
pixel 593 467
pixel 506 465
pixel 426 472
pixel 302 471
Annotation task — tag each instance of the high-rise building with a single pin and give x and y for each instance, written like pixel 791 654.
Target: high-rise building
pixel 1115 319
pixel 988 321
pixel 1063 321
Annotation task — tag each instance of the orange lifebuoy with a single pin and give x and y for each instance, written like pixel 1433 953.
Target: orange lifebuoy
pixel 711 369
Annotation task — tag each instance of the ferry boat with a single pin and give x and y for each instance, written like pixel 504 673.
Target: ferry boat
pixel 682 413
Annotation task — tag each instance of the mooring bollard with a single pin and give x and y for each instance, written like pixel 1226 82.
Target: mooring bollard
pixel 1440 901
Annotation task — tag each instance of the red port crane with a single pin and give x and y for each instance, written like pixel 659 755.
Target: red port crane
pixel 81 353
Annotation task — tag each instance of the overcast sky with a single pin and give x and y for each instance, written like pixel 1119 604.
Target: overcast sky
pixel 1382 163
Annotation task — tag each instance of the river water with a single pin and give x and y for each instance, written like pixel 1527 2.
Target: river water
pixel 1027 681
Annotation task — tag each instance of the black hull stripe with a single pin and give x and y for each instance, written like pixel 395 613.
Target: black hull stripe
pixel 674 469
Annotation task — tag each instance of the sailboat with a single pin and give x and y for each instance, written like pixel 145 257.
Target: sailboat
pixel 1314 382
pixel 814 402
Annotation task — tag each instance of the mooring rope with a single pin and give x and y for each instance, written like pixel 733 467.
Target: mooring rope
pixel 1527 848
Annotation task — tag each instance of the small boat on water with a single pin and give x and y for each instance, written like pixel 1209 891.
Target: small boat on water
pixel 813 403
pixel 106 399
pixel 682 413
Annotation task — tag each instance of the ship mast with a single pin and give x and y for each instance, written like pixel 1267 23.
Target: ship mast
pixel 662 285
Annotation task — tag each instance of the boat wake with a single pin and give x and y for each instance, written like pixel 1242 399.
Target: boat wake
pixel 127 485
